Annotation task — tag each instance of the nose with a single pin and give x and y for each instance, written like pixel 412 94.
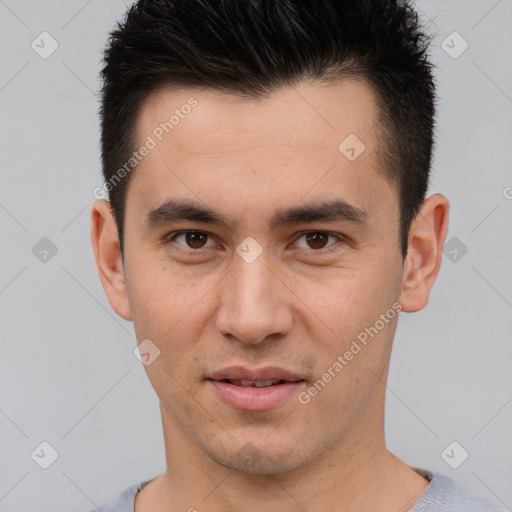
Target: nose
pixel 255 303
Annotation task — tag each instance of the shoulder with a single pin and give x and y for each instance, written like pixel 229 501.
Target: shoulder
pixel 124 502
pixel 443 494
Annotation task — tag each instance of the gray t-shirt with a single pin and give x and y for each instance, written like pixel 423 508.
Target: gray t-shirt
pixel 442 495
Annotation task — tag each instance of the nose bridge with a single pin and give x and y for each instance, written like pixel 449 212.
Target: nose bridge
pixel 252 282
pixel 252 306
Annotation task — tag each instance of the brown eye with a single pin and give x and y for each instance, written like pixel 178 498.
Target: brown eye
pixel 192 239
pixel 317 240
pixel 196 240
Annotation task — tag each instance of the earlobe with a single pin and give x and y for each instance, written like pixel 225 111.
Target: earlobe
pixel 107 251
pixel 425 251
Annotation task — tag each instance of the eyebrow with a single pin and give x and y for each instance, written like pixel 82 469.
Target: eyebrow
pixel 176 210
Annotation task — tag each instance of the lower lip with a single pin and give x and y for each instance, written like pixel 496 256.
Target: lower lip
pixel 252 398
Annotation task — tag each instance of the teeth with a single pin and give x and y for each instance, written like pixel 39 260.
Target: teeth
pixel 265 383
pixel 256 383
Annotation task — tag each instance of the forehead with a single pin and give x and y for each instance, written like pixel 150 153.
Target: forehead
pixel 305 139
pixel 304 115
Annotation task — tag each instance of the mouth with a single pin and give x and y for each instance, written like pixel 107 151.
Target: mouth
pixel 254 390
pixel 258 383
pixel 243 376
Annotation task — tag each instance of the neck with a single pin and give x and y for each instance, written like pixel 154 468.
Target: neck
pixel 356 473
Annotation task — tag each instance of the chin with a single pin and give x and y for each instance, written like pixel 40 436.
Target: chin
pixel 257 458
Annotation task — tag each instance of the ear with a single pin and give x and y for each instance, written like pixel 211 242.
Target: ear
pixel 425 252
pixel 107 251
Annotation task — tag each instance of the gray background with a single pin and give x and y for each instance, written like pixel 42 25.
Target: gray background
pixel 68 375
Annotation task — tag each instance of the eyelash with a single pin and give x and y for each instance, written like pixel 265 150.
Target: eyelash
pixel 325 250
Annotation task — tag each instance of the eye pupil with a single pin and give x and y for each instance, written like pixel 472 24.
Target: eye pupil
pixel 195 240
pixel 317 240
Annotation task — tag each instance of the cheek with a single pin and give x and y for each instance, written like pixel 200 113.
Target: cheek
pixel 173 310
pixel 163 297
pixel 349 300
pixel 351 306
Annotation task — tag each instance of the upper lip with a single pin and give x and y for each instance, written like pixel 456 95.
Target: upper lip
pixel 255 374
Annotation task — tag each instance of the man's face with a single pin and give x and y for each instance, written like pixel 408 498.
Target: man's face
pixel 292 297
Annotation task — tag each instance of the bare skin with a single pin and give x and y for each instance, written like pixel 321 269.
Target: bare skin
pixel 299 305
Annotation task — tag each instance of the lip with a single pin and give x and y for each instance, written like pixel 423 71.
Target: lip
pixel 252 398
pixel 265 373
